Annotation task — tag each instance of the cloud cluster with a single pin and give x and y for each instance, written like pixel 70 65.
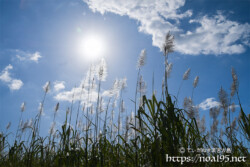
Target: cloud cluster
pixel 209 103
pixel 211 35
pixel 5 76
pixel 215 35
pixel 76 94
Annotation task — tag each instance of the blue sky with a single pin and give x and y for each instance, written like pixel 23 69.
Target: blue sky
pixel 40 41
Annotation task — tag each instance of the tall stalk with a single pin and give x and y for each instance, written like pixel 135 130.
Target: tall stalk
pixel 97 110
pixel 71 107
pixel 168 47
pixel 78 108
pixel 20 119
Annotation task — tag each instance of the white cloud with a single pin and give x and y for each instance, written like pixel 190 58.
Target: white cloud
pixel 5 76
pixel 209 103
pixel 77 93
pixel 154 16
pixel 59 85
pixel 27 56
pixel 214 35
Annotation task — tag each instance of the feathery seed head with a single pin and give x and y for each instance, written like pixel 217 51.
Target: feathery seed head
pixel 233 89
pixel 187 102
pixel 46 87
pixel 234 75
pixel 214 112
pixel 8 125
pixel 116 84
pixel 192 110
pixel 202 125
pixel 196 80
pixel 186 74
pixel 123 83
pixel 142 59
pixel 223 98
pixel 168 45
pixel 114 91
pixel 57 107
pixel 102 70
pixel 23 107
pixel 235 83
pixel 166 62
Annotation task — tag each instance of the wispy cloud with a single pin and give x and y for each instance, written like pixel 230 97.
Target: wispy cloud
pixel 27 56
pixel 5 77
pixel 212 35
pixel 209 103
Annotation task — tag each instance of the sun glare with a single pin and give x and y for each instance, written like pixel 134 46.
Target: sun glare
pixel 93 46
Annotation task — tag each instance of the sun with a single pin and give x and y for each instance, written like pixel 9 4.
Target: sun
pixel 93 46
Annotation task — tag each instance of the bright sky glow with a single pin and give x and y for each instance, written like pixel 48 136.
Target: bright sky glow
pixel 92 46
